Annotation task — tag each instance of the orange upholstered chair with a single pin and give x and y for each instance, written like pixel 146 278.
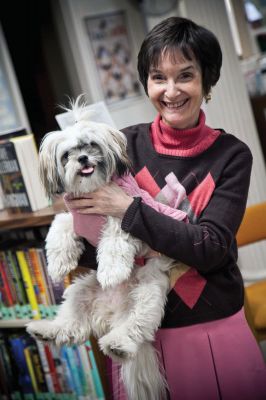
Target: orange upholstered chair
pixel 252 230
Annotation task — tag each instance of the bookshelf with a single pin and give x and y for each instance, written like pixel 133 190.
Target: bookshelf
pixel 38 218
pixel 10 221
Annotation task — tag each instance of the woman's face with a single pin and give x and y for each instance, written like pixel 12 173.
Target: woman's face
pixel 175 90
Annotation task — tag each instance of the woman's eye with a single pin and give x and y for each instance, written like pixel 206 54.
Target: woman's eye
pixel 157 77
pixel 186 76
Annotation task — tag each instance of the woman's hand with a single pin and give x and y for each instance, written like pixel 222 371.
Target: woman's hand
pixel 108 200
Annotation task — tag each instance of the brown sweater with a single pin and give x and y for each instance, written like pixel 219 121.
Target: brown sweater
pixel 215 183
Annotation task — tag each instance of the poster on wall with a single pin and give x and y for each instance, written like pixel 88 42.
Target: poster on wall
pixel 111 47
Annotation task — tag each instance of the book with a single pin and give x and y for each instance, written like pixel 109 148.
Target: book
pixel 6 294
pixel 94 371
pixel 34 366
pixel 17 277
pixel 87 368
pixel 9 275
pixel 45 366
pixel 72 365
pixel 55 290
pixel 8 377
pixel 52 368
pixel 25 272
pixel 17 345
pixel 38 271
pixel 11 133
pixel 19 176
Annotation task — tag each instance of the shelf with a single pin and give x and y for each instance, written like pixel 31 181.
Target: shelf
pixel 13 323
pixel 38 218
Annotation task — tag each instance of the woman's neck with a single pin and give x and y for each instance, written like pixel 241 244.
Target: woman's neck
pixel 182 142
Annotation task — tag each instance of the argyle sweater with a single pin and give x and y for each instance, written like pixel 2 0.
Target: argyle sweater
pixel 212 170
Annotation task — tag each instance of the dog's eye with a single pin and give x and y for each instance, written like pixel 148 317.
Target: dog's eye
pixel 93 144
pixel 65 156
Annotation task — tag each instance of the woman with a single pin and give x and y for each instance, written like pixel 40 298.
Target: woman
pixel 205 345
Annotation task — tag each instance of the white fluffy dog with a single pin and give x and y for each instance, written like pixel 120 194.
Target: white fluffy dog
pixel 120 304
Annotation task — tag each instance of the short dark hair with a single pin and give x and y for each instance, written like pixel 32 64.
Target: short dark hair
pixel 194 41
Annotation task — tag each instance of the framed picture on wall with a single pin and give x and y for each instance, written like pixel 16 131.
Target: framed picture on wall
pixel 111 48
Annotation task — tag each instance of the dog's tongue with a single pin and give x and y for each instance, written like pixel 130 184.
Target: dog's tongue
pixel 87 170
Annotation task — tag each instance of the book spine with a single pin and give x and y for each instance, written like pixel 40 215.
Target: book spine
pixel 12 262
pixel 52 369
pixel 80 369
pixel 31 369
pixel 45 366
pixel 13 185
pixel 87 368
pixel 5 289
pixel 95 372
pixel 8 377
pixel 28 284
pixel 37 367
pixel 74 371
pixel 18 344
pixel 39 275
pixel 9 276
pixel 42 258
pixel 67 371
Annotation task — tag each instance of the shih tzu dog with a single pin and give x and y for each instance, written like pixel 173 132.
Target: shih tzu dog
pixel 120 304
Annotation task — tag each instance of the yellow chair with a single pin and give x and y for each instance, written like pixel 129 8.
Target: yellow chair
pixel 252 230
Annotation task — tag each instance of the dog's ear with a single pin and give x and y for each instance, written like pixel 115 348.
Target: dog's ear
pixel 48 165
pixel 119 149
pixel 123 166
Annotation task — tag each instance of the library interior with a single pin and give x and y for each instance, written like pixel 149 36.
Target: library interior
pixel 51 52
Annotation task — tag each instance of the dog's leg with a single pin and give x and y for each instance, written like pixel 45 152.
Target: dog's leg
pixel 63 247
pixel 147 301
pixel 116 253
pixel 73 321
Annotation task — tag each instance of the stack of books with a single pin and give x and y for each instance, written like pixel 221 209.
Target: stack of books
pixel 27 291
pixel 33 370
pixel 21 189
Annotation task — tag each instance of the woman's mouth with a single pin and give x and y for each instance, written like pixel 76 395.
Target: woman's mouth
pixel 174 106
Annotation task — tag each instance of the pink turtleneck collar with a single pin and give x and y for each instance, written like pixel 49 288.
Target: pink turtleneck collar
pixel 184 143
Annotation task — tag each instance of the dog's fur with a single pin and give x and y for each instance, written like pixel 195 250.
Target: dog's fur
pixel 122 305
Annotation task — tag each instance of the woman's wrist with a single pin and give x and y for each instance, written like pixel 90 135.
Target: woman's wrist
pixel 130 214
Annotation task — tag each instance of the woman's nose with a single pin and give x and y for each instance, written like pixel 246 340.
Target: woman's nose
pixel 172 90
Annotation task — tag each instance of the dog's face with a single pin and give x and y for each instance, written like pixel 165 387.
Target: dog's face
pixel 82 157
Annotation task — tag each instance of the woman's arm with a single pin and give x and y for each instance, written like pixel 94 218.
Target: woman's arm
pixel 202 245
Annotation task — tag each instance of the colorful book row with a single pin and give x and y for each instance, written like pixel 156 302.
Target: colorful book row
pixel 36 370
pixel 24 280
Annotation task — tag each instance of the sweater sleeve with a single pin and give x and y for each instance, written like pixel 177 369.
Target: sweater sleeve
pixel 202 245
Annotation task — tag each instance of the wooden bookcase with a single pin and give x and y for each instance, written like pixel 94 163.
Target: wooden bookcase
pixel 44 217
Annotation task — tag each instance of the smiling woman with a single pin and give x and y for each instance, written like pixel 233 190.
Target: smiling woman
pixel 205 345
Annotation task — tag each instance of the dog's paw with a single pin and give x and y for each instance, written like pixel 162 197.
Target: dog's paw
pixel 67 334
pixel 42 330
pixel 59 268
pixel 118 345
pixel 110 275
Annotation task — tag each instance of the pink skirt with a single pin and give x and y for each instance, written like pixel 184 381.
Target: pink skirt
pixel 213 360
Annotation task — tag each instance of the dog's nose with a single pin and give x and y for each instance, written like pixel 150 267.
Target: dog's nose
pixel 83 159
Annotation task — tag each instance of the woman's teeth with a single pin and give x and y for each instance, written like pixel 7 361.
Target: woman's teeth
pixel 175 105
